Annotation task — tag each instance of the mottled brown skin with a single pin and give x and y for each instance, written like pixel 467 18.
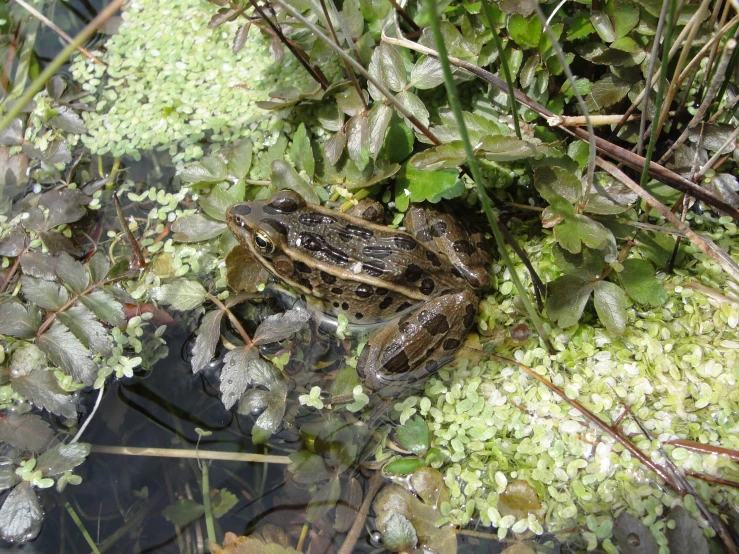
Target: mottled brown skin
pixel 423 287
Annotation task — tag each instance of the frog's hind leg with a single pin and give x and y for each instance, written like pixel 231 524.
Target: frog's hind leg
pixel 399 357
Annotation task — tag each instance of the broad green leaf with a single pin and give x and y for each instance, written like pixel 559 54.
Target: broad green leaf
pixel 223 501
pixel 183 512
pixel 556 181
pixel 105 307
pixel 239 158
pixel 610 304
pixel 330 116
pixel 215 203
pixel 284 176
pixel 67 352
pixel 350 102
pixel 404 466
pixel 625 16
pixel 325 499
pixel 687 535
pixel 45 294
pixel 8 477
pixel 300 149
pixel 196 228
pixel 609 196
pixel 72 273
pixel 502 148
pixel 399 534
pixel 426 73
pixel 457 45
pixel 414 435
pixel 42 389
pixel 378 119
pixel 525 31
pixel 236 375
pixel 414 106
pixel 182 294
pixel 26 432
pixel 606 92
pixel 390 68
pixel 416 185
pixel 99 266
pixel 352 19
pixel 399 140
pixel 603 26
pixel 587 264
pixel 335 146
pixel 307 467
pixel 208 336
pixel 357 140
pixel 207 170
pixel 84 325
pixel 279 327
pixel 17 320
pixel 566 299
pixel 445 156
pixel 639 280
pixel 62 458
pixel 21 515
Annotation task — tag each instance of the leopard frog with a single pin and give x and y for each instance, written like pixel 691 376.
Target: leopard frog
pixel 418 287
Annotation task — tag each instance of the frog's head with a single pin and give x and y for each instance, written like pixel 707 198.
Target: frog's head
pixel 261 226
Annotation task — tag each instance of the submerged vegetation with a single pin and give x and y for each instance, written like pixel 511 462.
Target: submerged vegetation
pixel 594 408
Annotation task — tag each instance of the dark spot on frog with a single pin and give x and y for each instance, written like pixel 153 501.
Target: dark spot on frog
pixel 404 306
pixel 310 219
pixel 335 255
pixel 240 209
pixel 395 360
pixel 357 231
pixel 358 315
pixel 456 272
pixel 413 273
pixel 433 258
pixel 474 282
pixel 343 235
pixel 463 247
pixel 336 304
pixel 435 324
pixel 374 268
pixel 438 229
pixel 377 251
pixel 379 291
pixel 276 225
pixel 431 365
pixel 404 243
pixel 283 204
pixel 451 344
pixel 429 352
pixel 328 278
pixel 306 283
pixel 311 241
pixel 427 286
pixel 423 235
pixel 363 291
pixel 302 268
pixel 337 290
pixel 469 317
pixel 344 305
pixel 385 304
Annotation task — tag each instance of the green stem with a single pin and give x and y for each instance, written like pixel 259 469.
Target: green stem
pixel 476 175
pixel 81 527
pixel 49 71
pixel 209 526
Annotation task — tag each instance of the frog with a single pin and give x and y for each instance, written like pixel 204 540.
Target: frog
pixel 415 290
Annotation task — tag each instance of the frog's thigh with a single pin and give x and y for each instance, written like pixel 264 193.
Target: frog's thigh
pixel 407 351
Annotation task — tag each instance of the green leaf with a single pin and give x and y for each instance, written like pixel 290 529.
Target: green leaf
pixel 399 534
pixel 399 140
pixel 45 294
pixel 587 264
pixel 414 435
pixel 421 185
pixel 21 515
pixel 335 146
pixel 26 357
pixel 26 432
pixel 99 266
pixel 71 272
pixel 606 92
pixel 285 177
pixel 609 196
pixel 603 26
pixel 300 149
pixel 357 140
pixel 350 102
pixel 388 68
pixel 500 148
pixel 378 119
pixel 17 320
pixel 85 326
pixel 414 106
pixel 239 158
pixel 625 16
pixel 207 170
pixel 67 352
pixel 566 299
pixel 183 512
pixel 610 304
pixel 426 73
pixel 445 156
pixel 41 387
pixel 223 501
pixel 580 27
pixel 196 228
pixel 273 400
pixel 525 31
pixel 181 295
pixel 279 327
pixel 638 278
pixel 404 466
pixel 62 458
pixel 208 336
pixel 236 374
pixel 217 202
pixel 553 181
pixel 105 307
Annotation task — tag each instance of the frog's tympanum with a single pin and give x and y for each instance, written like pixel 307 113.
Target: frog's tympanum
pixel 420 285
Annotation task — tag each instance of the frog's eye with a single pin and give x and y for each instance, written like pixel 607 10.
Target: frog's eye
pixel 264 242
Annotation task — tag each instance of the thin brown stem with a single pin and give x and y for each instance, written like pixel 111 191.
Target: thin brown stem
pixel 404 14
pixel 233 319
pixel 375 483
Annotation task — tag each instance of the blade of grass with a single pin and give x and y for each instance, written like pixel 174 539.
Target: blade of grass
pixel 456 106
pixel 81 527
pixel 209 526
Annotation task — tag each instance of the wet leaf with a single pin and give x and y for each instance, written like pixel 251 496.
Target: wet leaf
pixel 67 352
pixel 445 156
pixel 279 327
pixel 641 284
pixel 242 33
pixel 42 389
pixel 350 102
pixel 423 186
pixel 399 534
pixel 18 321
pixel 519 500
pixel 553 181
pixel 567 296
pixel 71 272
pixel 13 244
pixel 62 458
pixel 21 515
pixel 603 26
pixel 609 196
pixel 348 506
pixel 13 172
pixel 414 435
pixel 83 325
pixel 272 401
pixel 64 206
pixel 183 512
pixel 236 374
pixel 378 119
pixel 105 307
pixel 243 272
pixel 330 116
pixel 301 151
pixel 387 66
pixel 196 228
pixel 217 202
pixel 207 170
pixel 8 477
pixel 182 294
pixel 587 264
pixel 223 501
pixel 99 266
pixel 610 304
pixel 285 177
pixel 45 294
pixel 632 536
pixel 415 106
pixel 426 73
pixel 574 230
pixel 307 467
pixel 208 336
pixel 357 140
pixel 12 135
pixel 325 499
pixel 686 536
pixel 526 32
pixel 26 432
pixel 335 146
pixel 500 148
pixel 68 121
pixel 239 159
pixel 606 92
pixel 428 483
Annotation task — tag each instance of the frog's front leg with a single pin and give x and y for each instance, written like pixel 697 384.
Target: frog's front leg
pixel 401 355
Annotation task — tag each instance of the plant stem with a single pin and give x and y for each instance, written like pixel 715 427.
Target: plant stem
pixel 191 454
pixel 210 528
pixel 81 527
